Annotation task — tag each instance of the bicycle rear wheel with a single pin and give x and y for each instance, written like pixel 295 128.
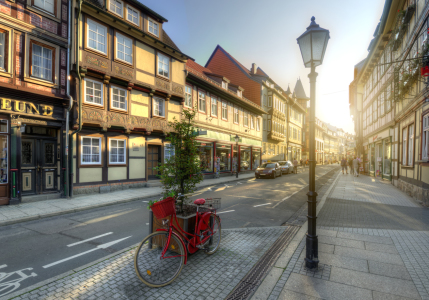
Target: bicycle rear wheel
pixel 151 267
pixel 213 230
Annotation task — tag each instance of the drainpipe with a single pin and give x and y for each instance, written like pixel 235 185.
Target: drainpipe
pixel 79 79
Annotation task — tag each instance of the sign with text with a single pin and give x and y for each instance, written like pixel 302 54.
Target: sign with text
pixel 26 107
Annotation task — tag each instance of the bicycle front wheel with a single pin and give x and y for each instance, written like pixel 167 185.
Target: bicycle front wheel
pixel 154 268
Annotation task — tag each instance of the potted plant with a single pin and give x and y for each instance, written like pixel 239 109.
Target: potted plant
pixel 181 172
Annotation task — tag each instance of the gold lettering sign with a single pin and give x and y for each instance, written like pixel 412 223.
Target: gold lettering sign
pixel 26 107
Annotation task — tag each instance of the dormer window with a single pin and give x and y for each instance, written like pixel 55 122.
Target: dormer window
pixel 225 85
pixel 153 27
pixel 239 93
pixel 116 7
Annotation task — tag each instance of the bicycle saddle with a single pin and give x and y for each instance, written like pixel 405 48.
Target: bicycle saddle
pixel 200 201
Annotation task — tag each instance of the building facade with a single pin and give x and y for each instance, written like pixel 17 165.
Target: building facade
pixel 129 80
pixel 222 114
pixel 33 94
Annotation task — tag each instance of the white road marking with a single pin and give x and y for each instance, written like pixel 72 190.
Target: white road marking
pixel 103 246
pixel 245 225
pixel 290 196
pixel 239 183
pixel 222 212
pixel 226 185
pixel 145 201
pixel 262 204
pixel 221 189
pixel 209 189
pixel 147 223
pixel 3 266
pixel 90 239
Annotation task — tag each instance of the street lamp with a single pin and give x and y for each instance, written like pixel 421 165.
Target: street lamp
pixel 312 45
pixel 236 144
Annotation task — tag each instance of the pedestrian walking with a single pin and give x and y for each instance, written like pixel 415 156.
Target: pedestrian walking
pixel 351 165
pixel 301 163
pixel 355 167
pixel 295 166
pixel 344 165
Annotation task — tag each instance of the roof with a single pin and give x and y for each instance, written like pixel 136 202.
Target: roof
pixel 197 67
pixel 288 92
pixel 142 6
pixel 167 40
pixel 299 90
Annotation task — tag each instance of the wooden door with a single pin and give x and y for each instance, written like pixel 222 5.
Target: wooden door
pixel 153 160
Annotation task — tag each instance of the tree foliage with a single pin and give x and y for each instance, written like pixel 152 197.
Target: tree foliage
pixel 181 172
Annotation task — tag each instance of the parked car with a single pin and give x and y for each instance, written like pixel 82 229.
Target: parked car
pixel 268 170
pixel 286 167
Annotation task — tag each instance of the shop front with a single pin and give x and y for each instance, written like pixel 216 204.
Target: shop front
pixel 31 142
pixel 294 152
pixel 379 155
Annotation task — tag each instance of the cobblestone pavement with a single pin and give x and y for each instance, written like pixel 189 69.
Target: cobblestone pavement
pixel 204 277
pixel 373 244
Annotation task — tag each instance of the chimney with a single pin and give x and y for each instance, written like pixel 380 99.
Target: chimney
pixel 254 68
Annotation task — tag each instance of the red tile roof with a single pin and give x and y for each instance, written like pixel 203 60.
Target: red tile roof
pixel 197 67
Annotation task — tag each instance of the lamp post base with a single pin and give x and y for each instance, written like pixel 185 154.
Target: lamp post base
pixel 311 257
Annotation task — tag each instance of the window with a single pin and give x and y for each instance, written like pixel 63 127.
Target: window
pixel 404 147
pixel 246 119
pixel 117 153
pixel 169 151
pixel 153 27
pixel 410 144
pixel 97 36
pixel 91 153
pixel 225 85
pixel 93 92
pixel 119 98
pixel 270 101
pixel 158 107
pixel 269 125
pixel 224 111
pixel 41 62
pixel 202 101
pixel 163 65
pixel 214 107
pixel 3 51
pixel 425 138
pixel 252 125
pixel 382 103
pixel 188 96
pixel 133 15
pixel 239 93
pixel 116 7
pixel 374 110
pixel 235 115
pixel 265 100
pixel 124 48
pixel 257 124
pixel 47 5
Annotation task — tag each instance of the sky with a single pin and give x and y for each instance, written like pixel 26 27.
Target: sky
pixel 265 32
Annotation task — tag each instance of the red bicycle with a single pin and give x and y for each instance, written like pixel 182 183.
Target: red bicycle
pixel 160 257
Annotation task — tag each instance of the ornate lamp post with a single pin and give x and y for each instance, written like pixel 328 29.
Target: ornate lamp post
pixel 237 138
pixel 312 45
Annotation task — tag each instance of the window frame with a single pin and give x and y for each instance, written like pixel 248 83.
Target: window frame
pixel 214 99
pixel 187 86
pixel 53 61
pixel 82 163
pixel 224 85
pixel 236 113
pixel 106 37
pixel 163 107
pixel 425 137
pixel 114 12
pixel 224 108
pixel 102 92
pixel 270 101
pixel 7 50
pixel 245 118
pixel 168 148
pixel 111 98
pixel 149 20
pixel 199 101
pixel 157 65
pixel 258 125
pixel 404 146
pixel 54 13
pixel 117 138
pixel 411 140
pixel 125 37
pixel 129 7
pixel 252 122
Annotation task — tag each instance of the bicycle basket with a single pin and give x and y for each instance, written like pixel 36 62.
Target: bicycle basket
pixel 212 204
pixel 164 208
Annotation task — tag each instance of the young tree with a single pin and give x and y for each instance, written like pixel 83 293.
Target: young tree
pixel 181 171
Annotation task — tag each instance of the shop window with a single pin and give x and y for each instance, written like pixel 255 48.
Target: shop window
pixel 124 48
pixel 158 107
pixel 119 98
pixel 256 158
pixel 223 157
pixel 201 101
pixel 224 111
pixel 236 117
pixel 425 137
pixel 214 106
pixel 93 92
pixel 117 151
pixel 188 96
pixel 163 65
pixel 42 61
pixel 386 159
pixel 3 151
pixel 116 6
pixel 133 15
pixel 97 37
pixel 47 5
pixel 205 156
pixel 410 144
pixel 153 27
pixel 244 159
pixel 90 150
pixel 4 42
pixel 169 151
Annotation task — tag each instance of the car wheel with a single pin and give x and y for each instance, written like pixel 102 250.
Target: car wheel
pixel 257 177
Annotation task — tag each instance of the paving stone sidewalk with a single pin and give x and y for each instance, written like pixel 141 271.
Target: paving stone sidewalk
pixel 373 244
pixel 11 214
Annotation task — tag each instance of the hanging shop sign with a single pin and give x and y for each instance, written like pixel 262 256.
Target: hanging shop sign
pixel 26 107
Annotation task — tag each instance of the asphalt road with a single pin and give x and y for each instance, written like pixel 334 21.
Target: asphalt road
pixel 49 247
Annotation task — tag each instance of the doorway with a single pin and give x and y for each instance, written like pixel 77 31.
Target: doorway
pixel 38 166
pixel 153 160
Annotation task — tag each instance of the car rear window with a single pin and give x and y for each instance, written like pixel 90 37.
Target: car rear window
pixel 266 165
pixel 282 163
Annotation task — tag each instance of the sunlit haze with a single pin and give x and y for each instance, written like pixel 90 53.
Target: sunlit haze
pixel 265 32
